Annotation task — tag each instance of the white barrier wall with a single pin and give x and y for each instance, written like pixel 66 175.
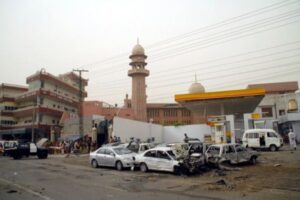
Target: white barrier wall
pixel 176 133
pixel 126 128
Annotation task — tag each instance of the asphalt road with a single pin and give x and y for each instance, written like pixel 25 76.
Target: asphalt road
pixel 54 178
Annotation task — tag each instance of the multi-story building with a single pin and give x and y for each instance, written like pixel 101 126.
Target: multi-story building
pixel 279 109
pixel 8 92
pixel 48 96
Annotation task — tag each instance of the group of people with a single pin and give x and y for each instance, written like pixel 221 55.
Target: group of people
pixel 84 145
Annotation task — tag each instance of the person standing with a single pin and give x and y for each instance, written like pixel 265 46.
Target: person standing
pixel 186 138
pixel 292 140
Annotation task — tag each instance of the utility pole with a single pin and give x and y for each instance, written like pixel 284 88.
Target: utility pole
pixel 80 100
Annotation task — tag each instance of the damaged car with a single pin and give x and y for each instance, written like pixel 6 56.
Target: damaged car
pixel 231 153
pixel 158 159
pixel 174 158
pixel 111 156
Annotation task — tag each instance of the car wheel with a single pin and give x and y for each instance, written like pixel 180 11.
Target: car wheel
pixel 94 164
pixel 143 167
pixel 273 148
pixel 119 166
pixel 253 160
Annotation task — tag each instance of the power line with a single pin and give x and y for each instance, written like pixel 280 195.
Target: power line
pixel 195 46
pixel 284 66
pixel 160 74
pixel 235 83
pixel 247 15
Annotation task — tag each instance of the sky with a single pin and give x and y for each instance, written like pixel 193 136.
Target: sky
pixel 226 44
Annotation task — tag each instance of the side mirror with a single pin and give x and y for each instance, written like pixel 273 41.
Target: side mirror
pixel 112 154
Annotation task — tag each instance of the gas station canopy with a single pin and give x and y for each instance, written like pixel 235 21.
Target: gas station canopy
pixel 231 102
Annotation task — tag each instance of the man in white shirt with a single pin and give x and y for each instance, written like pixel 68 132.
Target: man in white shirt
pixel 292 140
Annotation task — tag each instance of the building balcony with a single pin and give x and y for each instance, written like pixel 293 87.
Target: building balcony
pixel 8 113
pixel 7 99
pixel 29 111
pixel 47 93
pixel 42 75
pixel 133 72
pixel 294 116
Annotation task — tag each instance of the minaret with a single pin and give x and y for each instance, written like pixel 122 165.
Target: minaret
pixel 138 74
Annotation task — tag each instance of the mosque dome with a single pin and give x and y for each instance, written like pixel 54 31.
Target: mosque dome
pixel 138 50
pixel 196 88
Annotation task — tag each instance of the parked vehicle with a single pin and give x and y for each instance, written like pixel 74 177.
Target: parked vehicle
pixel 232 153
pixel 138 147
pixel 158 158
pixel 7 144
pixel 262 139
pixel 18 150
pixel 112 156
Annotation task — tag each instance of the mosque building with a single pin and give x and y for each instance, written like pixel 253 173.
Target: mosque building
pixel 137 107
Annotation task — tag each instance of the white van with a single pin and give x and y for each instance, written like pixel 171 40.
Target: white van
pixel 262 139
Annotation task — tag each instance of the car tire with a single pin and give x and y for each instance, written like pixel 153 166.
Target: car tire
pixel 94 164
pixel 253 160
pixel 42 155
pixel 143 167
pixel 119 166
pixel 273 148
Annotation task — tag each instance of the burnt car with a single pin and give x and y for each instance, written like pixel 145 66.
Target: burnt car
pixel 231 153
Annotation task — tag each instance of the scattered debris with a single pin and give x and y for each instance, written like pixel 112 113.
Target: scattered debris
pixel 220 173
pixel 227 168
pixel 277 165
pixel 242 177
pixel 222 182
pixel 12 191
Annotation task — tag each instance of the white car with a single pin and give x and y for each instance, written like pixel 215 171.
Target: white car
pixel 262 139
pixel 159 158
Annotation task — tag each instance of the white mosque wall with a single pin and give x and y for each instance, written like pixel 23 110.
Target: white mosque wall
pixel 176 133
pixel 126 129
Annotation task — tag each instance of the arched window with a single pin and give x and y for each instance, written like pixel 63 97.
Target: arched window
pixel 292 105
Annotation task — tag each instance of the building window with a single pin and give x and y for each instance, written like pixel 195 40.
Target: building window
pixel 186 113
pixel 54 105
pixel 170 112
pixel 42 83
pixel 153 112
pixel 292 105
pixel 53 121
pixel 281 112
pixel 267 112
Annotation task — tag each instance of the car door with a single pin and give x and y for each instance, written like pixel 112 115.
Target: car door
pixel 242 154
pixel 100 157
pixel 110 158
pixel 253 140
pixel 164 162
pixel 230 153
pixel 271 138
pixel 149 159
